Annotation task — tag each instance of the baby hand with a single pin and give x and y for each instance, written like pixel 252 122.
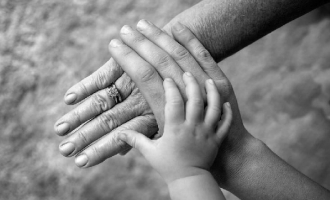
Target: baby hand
pixel 192 134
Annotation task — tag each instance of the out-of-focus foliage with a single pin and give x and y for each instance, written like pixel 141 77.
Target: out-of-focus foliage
pixel 282 83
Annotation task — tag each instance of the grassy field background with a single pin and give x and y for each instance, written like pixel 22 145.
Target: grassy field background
pixel 282 83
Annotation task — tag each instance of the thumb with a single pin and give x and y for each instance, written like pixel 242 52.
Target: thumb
pixel 136 140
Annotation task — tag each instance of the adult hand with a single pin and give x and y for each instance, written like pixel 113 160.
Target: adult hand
pixel 243 164
pixel 97 115
pixel 149 55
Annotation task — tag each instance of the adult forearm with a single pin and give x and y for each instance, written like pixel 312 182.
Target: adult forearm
pixel 226 26
pixel 263 175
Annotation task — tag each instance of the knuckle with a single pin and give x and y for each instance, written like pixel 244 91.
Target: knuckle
pixel 176 102
pixel 97 153
pixel 107 122
pixel 138 38
pixel 180 53
pixel 99 103
pixel 164 61
pixel 147 74
pixel 156 33
pixel 101 80
pixel 82 136
pixel 84 88
pixel 77 116
pixel 203 54
pixel 197 102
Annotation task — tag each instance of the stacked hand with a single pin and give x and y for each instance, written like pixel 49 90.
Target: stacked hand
pixel 192 135
pixel 150 56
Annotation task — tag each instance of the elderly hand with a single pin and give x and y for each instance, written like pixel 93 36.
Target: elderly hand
pixel 91 140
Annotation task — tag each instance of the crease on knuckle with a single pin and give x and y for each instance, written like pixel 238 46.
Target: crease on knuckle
pixel 82 136
pixel 138 38
pixel 107 122
pixel 97 153
pixel 203 54
pixel 101 80
pixel 84 88
pixel 147 74
pixel 180 53
pixel 156 33
pixel 99 103
pixel 176 102
pixel 163 62
pixel 197 102
pixel 77 116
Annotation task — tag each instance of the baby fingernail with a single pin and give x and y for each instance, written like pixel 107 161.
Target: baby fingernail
pixel 178 27
pixel 228 104
pixel 168 80
pixel 143 24
pixel 126 29
pixel 67 148
pixel 210 81
pixel 70 98
pixel 62 128
pixel 188 74
pixel 81 160
pixel 116 43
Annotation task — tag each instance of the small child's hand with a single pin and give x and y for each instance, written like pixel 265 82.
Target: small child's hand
pixel 192 134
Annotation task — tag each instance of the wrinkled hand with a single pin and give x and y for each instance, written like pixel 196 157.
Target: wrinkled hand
pixel 97 115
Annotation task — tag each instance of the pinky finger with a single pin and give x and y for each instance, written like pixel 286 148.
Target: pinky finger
pixel 225 122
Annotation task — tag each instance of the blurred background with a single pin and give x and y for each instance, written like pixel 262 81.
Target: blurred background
pixel 282 83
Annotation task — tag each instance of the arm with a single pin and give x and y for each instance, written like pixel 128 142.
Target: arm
pixel 226 26
pixel 190 142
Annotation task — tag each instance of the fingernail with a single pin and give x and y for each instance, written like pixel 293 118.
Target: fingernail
pixel 81 160
pixel 67 148
pixel 126 29
pixel 70 98
pixel 210 81
pixel 62 128
pixel 178 27
pixel 188 74
pixel 227 104
pixel 143 24
pixel 116 43
pixel 168 80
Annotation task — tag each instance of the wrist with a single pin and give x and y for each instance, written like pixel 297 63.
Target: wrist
pixel 237 157
pixel 184 173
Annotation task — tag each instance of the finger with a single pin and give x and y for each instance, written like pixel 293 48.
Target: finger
pixel 95 105
pixel 143 74
pixel 187 39
pixel 174 107
pixel 195 102
pixel 225 123
pixel 136 140
pixel 110 145
pixel 213 111
pixel 157 57
pixel 105 123
pixel 180 54
pixel 100 79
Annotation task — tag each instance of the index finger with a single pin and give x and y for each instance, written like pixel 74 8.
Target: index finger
pixel 144 75
pixel 100 79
